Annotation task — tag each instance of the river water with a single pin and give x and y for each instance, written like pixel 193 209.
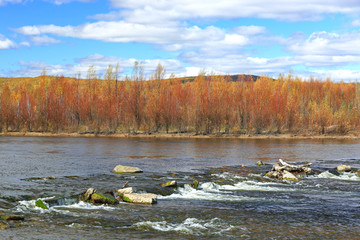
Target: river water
pixel 232 201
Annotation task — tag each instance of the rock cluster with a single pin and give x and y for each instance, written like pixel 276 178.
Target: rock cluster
pixel 285 171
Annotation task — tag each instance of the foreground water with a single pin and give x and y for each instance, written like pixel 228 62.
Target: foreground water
pixel 232 202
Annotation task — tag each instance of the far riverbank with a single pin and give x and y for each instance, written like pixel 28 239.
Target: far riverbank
pixel 183 135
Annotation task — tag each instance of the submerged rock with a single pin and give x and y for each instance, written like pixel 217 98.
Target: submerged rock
pixel 142 198
pixel 12 218
pixel 126 169
pixel 38 178
pixel 4 226
pixel 343 168
pixel 59 201
pixel 41 204
pixel 158 190
pixel 169 184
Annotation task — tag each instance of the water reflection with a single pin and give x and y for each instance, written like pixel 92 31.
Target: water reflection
pixel 35 156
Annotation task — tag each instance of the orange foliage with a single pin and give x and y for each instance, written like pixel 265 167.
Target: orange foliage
pixel 209 104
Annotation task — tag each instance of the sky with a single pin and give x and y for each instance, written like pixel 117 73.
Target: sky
pixel 310 38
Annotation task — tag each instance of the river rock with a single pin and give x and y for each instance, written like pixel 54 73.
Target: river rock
pixel 343 168
pixel 41 204
pixel 143 198
pixel 126 169
pixel 123 191
pixel 12 218
pixel 100 198
pixel 289 176
pixel 4 226
pixel 169 184
pixel 286 171
pixel 195 184
pixel 87 195
pixel 272 174
pixel 158 190
pixel 260 163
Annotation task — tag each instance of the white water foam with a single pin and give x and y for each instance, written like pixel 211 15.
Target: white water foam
pixel 228 176
pixel 259 186
pixel 208 191
pixel 26 206
pixel 346 176
pixel 87 206
pixel 190 226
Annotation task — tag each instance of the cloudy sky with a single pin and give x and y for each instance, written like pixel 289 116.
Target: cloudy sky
pixel 317 38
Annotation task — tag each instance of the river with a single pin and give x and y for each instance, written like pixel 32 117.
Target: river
pixel 234 200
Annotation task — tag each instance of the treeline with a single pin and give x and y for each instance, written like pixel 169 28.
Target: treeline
pixel 209 104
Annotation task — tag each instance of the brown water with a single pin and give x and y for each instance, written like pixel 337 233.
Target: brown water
pixel 232 202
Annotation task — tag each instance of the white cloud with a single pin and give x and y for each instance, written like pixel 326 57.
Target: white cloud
pixel 339 75
pixel 6 43
pixel 295 10
pixel 100 62
pixel 169 38
pixel 355 23
pixel 120 31
pixel 326 49
pixel 59 2
pixel 4 2
pixel 43 40
pixel 250 30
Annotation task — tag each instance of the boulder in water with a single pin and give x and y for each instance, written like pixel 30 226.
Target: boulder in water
pixel 260 163
pixel 272 174
pixel 289 176
pixel 100 198
pixel 87 195
pixel 195 184
pixel 41 204
pixel 123 191
pixel 169 184
pixel 126 169
pixel 142 198
pixel 343 168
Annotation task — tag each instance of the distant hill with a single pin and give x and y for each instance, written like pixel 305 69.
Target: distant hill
pixel 234 78
pixel 16 81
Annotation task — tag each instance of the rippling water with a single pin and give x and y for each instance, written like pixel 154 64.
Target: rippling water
pixel 232 202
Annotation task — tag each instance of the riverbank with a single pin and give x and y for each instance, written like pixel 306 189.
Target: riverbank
pixel 183 135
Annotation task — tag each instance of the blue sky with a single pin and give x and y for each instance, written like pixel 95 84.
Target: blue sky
pixel 310 37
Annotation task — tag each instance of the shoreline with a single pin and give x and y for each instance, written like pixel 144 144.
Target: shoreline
pixel 179 135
